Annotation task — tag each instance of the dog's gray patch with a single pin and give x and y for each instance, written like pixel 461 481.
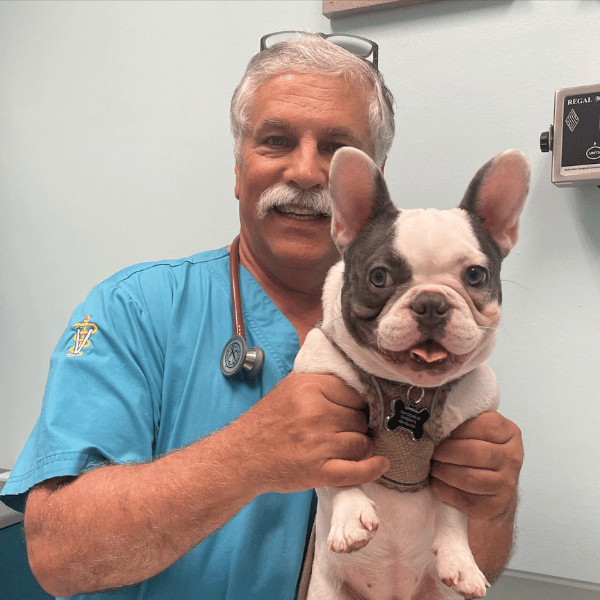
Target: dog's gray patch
pixel 373 248
pixel 487 244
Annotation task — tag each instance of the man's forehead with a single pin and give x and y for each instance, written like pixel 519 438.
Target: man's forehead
pixel 310 78
pixel 333 102
pixel 282 125
pixel 311 86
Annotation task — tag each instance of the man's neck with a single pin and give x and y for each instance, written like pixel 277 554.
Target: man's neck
pixel 301 310
pixel 296 292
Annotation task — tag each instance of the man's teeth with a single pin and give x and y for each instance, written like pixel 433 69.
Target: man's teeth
pixel 298 211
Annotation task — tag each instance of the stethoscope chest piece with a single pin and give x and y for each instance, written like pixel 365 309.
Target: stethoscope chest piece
pixel 237 356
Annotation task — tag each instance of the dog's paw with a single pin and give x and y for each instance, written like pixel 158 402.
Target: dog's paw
pixel 460 572
pixel 353 528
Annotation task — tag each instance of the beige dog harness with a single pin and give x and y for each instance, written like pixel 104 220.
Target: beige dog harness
pixel 405 425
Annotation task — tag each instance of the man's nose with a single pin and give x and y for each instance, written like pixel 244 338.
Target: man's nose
pixel 307 168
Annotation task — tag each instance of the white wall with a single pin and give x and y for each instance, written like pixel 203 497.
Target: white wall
pixel 114 149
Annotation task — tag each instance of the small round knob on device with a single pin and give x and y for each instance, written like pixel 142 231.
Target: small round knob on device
pixel 546 140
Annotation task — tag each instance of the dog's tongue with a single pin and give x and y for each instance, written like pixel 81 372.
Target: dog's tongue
pixel 430 352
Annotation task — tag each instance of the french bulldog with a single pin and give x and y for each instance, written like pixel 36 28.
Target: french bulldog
pixel 410 315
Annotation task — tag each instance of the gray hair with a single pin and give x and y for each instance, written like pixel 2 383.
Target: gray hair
pixel 310 53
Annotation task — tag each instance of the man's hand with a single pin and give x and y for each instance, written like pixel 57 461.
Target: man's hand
pixel 310 431
pixel 477 470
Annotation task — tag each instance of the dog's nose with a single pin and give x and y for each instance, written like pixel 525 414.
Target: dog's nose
pixel 430 308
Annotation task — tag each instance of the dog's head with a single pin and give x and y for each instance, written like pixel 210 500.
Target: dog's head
pixel 417 297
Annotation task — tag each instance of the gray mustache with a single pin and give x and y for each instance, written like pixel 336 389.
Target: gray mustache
pixel 281 194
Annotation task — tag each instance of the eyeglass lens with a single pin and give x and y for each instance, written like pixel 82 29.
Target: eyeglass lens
pixel 359 47
pixel 354 45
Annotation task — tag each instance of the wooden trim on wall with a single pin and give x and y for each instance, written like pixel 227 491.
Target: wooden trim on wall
pixel 342 8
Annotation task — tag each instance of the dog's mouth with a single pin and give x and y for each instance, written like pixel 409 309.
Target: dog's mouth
pixel 429 354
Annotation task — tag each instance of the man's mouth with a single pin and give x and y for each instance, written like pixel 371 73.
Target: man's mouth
pixel 300 213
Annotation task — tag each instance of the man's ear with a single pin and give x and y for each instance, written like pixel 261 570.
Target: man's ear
pixel 237 181
pixel 383 165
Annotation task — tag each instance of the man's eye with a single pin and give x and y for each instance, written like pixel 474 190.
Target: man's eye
pixel 333 146
pixel 276 141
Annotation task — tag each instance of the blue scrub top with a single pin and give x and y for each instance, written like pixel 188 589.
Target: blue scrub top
pixel 135 375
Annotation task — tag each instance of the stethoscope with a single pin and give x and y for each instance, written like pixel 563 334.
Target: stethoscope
pixel 236 354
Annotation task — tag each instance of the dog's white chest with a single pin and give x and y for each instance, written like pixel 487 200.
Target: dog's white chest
pixel 394 564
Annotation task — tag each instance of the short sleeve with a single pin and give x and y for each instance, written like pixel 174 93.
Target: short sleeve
pixel 102 399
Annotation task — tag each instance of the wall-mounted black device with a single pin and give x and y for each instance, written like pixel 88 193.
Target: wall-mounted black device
pixel 574 137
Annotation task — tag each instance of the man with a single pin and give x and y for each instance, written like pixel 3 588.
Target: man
pixel 151 472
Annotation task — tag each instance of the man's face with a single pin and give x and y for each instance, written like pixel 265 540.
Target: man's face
pixel 297 122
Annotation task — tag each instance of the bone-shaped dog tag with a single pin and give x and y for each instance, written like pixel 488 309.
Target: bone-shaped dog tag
pixel 407 418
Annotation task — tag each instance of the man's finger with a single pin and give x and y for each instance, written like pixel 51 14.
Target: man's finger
pixel 471 504
pixel 483 482
pixel 336 391
pixel 340 473
pixel 474 505
pixel 489 426
pixel 351 446
pixel 470 453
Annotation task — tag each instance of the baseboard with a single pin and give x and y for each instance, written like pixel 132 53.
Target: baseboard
pixel 516 585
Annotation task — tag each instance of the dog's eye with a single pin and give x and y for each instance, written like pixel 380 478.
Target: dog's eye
pixel 380 277
pixel 476 276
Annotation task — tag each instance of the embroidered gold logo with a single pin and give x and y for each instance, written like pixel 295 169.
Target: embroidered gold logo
pixel 82 336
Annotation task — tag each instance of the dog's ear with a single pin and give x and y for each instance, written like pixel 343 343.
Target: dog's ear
pixel 497 194
pixel 358 193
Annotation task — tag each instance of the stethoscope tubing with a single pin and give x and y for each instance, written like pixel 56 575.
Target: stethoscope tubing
pixel 236 355
pixel 236 298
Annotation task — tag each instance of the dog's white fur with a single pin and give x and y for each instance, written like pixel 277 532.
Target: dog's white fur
pixel 373 542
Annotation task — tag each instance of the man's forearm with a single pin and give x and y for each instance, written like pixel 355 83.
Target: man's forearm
pixel 119 525
pixel 491 541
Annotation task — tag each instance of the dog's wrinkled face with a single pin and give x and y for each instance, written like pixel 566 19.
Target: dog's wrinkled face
pixel 421 293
